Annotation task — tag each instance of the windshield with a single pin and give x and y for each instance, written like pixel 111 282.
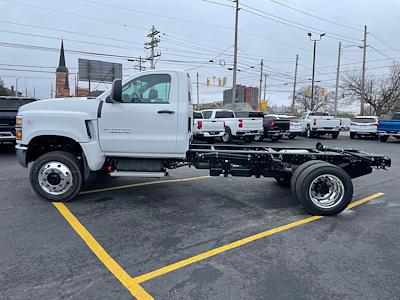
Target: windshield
pixel 197 115
pixel 396 116
pixel 224 114
pixel 364 120
pixel 319 114
pixel 249 114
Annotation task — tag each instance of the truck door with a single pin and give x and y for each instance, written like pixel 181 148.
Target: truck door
pixel 146 121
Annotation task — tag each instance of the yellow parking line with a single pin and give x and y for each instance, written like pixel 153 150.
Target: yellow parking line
pixel 135 289
pixel 213 252
pixel 141 184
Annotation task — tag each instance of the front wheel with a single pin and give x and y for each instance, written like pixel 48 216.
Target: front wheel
pixel 227 137
pixel 324 189
pixel 56 176
pixel 383 138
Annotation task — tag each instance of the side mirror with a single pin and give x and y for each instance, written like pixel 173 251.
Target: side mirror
pixel 116 91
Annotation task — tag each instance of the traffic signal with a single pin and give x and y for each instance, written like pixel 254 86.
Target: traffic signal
pixel 208 82
pixel 219 82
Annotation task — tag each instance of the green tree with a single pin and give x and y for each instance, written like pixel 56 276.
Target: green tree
pixel 3 90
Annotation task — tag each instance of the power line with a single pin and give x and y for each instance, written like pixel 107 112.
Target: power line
pixel 315 16
pixel 294 24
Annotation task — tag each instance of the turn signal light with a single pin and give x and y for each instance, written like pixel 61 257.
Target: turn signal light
pixel 18 134
pixel 18 122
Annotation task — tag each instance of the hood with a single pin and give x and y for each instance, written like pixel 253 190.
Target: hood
pixel 65 105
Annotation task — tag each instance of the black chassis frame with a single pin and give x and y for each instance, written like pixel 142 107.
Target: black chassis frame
pixel 246 161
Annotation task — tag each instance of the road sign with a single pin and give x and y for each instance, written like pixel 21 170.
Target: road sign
pixel 263 105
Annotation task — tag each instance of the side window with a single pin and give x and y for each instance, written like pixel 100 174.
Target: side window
pixel 207 114
pixel 154 88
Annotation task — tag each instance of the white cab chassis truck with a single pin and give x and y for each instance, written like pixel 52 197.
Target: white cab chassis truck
pixel 143 126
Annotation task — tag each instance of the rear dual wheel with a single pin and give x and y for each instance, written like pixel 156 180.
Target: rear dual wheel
pixel 322 188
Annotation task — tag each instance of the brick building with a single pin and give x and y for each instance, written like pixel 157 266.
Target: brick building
pixel 62 83
pixel 243 94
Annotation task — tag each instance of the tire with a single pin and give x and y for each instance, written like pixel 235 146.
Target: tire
pixel 258 138
pixel 299 170
pixel 227 137
pixel 352 135
pixel 335 135
pixel 248 139
pixel 275 138
pixel 291 136
pixel 383 138
pixel 319 181
pixel 66 182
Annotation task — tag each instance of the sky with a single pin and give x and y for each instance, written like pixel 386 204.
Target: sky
pixel 192 33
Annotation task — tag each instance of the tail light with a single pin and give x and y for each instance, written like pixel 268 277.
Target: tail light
pixel 199 124
pixel 315 122
pixel 240 123
pixel 271 124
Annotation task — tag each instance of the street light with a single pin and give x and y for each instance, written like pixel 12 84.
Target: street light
pixel 340 52
pixel 313 69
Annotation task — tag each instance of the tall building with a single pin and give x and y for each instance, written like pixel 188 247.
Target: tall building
pixel 62 83
pixel 243 94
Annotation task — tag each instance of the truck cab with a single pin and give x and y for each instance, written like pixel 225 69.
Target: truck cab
pixel 138 128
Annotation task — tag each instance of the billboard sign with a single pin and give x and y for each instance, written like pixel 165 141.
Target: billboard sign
pixel 99 71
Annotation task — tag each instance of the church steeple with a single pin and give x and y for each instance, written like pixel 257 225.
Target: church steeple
pixel 62 83
pixel 61 65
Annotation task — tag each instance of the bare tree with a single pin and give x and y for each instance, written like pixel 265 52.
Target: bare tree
pixel 381 93
pixel 322 99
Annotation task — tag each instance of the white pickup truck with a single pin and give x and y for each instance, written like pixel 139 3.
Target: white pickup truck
pixel 245 128
pixel 209 130
pixel 143 126
pixel 320 123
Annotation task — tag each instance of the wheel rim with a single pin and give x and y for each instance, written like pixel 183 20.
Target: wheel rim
pixel 326 191
pixel 55 178
pixel 225 137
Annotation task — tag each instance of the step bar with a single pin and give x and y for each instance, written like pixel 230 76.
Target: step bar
pixel 141 174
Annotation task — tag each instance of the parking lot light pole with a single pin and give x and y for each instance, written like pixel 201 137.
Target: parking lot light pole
pixel 313 68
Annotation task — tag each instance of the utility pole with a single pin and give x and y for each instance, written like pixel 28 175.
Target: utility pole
pixel 265 86
pixel 34 92
pixel 51 90
pixel 152 44
pixel 197 87
pixel 235 56
pixel 313 69
pixel 337 77
pixel 295 82
pixel 261 80
pixel 363 72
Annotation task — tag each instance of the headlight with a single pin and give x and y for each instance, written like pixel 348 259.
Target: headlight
pixel 18 121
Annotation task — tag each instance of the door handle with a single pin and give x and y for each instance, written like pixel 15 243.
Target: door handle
pixel 166 112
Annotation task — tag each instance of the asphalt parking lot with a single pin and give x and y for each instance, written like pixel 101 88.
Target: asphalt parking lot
pixel 191 236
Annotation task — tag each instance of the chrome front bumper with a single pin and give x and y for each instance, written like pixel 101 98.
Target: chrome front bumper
pixel 21 154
